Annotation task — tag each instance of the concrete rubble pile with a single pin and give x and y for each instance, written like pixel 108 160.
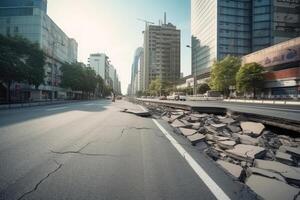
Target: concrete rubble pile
pixel 268 163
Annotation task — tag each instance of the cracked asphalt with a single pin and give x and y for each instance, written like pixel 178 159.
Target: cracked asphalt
pixel 91 150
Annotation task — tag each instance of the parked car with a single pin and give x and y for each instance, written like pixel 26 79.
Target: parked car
pixel 177 96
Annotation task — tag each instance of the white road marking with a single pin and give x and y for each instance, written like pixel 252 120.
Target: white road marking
pixel 209 182
pixel 58 108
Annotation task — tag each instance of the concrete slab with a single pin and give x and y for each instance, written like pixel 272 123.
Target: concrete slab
pixel 266 173
pixel 233 169
pixel 187 131
pixel 194 139
pixel 246 152
pixel 217 126
pixel 290 174
pixel 234 128
pixel 227 120
pixel 252 128
pixel 177 124
pixel 271 189
pixel 220 138
pixel 245 139
pixel 196 125
pixel 227 144
pixel 284 158
pixel 291 150
pixel 199 115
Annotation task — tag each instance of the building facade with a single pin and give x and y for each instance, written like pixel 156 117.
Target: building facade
pixel 161 54
pixel 282 66
pixel 99 62
pixel 137 71
pixel 29 19
pixel 239 27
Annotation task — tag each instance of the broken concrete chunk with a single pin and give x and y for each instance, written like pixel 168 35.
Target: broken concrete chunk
pixel 245 139
pixel 178 124
pixel 266 173
pixel 252 128
pixel 220 138
pixel 199 115
pixel 234 128
pixel 246 152
pixel 196 125
pixel 166 118
pixel 217 126
pixel 227 120
pixel 187 131
pixel 187 124
pixel 284 158
pixel 227 144
pixel 290 174
pixel 233 169
pixel 138 113
pixel 271 189
pixel 291 150
pixel 210 130
pixel 196 138
pixel 209 137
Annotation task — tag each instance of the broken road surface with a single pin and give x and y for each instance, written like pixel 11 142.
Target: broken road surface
pixel 91 150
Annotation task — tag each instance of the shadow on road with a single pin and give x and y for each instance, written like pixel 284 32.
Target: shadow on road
pixel 9 117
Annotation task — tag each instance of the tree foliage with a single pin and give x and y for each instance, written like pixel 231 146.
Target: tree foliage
pixel 21 61
pixel 250 78
pixel 223 74
pixel 80 78
pixel 202 88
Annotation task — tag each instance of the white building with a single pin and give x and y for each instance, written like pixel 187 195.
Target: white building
pixel 99 62
pixel 33 23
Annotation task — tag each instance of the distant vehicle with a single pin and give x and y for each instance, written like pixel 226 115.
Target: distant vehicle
pixel 119 97
pixel 108 97
pixel 162 98
pixel 177 96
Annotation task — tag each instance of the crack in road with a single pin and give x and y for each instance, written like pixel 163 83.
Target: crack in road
pixel 59 165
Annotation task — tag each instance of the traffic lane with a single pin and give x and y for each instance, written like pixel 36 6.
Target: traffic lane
pixel 14 116
pixel 138 164
pixel 25 145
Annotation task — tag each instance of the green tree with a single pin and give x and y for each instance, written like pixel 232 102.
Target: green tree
pixel 223 74
pixel 202 88
pixel 250 77
pixel 20 61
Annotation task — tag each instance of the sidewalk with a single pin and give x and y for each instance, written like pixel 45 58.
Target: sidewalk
pixel 281 102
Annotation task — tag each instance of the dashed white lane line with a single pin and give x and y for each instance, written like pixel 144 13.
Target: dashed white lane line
pixel 57 108
pixel 209 182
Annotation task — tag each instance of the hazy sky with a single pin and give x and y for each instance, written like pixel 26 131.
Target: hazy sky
pixel 111 27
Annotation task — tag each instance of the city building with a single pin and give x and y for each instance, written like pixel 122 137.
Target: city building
pixel 137 71
pixel 100 63
pixel 29 19
pixel 239 27
pixel 282 65
pixel 161 53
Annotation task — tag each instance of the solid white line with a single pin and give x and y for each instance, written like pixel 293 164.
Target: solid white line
pixel 58 108
pixel 209 182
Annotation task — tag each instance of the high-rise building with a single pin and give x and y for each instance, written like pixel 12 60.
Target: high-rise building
pixel 29 19
pixel 99 62
pixel 137 71
pixel 238 27
pixel 161 53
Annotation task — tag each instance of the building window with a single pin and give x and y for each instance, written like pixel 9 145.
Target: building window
pixel 16 29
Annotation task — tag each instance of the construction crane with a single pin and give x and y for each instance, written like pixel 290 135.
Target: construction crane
pixel 146 22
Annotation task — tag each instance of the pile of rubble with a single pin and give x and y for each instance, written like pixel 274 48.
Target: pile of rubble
pixel 267 162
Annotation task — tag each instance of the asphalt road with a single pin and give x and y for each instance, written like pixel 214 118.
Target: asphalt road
pixel 289 112
pixel 91 150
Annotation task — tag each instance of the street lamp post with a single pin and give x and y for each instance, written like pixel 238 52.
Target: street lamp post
pixel 195 74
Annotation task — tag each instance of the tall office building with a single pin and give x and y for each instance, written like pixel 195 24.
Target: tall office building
pixel 99 62
pixel 161 53
pixel 29 19
pixel 137 71
pixel 238 27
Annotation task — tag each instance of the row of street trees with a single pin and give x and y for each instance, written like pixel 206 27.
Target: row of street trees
pixel 228 73
pixel 23 61
pixel 20 61
pixel 80 78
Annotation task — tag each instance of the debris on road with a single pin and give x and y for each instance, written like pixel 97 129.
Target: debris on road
pixel 267 162
pixel 138 113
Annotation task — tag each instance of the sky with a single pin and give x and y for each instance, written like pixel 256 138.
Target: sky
pixel 111 27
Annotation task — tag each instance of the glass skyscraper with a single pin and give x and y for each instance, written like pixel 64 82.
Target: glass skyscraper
pixel 239 27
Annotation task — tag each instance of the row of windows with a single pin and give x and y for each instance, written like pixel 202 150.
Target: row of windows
pixel 16 11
